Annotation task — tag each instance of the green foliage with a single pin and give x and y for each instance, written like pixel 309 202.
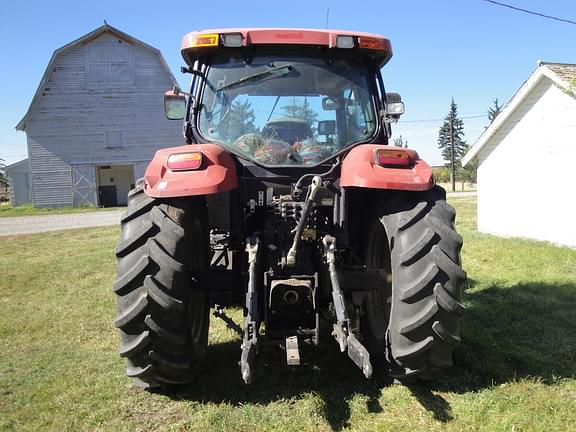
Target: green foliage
pixel 3 177
pixel 451 140
pixel 240 121
pixel 452 131
pixel 301 110
pixel 30 210
pixel 469 172
pixel 494 110
pixel 400 142
pixel 442 175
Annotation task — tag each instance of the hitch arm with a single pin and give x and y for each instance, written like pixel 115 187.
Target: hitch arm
pixel 313 189
pixel 250 339
pixel 345 338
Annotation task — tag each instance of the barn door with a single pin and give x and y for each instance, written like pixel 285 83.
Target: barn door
pixel 84 185
pixel 110 62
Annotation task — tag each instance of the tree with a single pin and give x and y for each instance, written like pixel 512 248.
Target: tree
pixel 469 172
pixel 494 111
pixel 451 141
pixel 3 178
pixel 240 121
pixel 401 142
pixel 4 195
pixel 301 111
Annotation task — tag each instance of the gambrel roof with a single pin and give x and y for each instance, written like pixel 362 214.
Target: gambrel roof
pixel 561 74
pixel 106 28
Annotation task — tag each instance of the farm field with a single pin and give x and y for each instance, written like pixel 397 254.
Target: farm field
pixel 59 367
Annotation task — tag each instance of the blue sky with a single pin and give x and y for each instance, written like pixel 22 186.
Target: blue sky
pixel 471 50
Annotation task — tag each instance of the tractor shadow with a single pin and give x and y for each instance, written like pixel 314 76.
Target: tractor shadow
pixel 509 333
pixel 325 372
pixel 527 330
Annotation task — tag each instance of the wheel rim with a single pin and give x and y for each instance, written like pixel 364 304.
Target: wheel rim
pixel 377 302
pixel 197 307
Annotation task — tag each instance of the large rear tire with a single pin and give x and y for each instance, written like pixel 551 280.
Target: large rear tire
pixel 162 315
pixel 414 321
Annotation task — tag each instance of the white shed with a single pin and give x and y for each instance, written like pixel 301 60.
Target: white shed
pixel 526 160
pixel 19 179
pixel 96 120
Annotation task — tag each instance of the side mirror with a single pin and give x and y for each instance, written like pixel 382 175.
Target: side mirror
pixel 174 105
pixel 329 104
pixel 394 107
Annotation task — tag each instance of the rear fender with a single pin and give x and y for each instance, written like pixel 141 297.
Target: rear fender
pixel 216 174
pixel 360 169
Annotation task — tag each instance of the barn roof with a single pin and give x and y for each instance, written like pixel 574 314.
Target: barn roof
pixel 106 28
pixel 562 74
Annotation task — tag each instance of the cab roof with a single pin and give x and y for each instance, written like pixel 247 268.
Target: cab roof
pixel 289 36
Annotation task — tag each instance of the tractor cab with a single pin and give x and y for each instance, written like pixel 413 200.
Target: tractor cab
pixel 287 97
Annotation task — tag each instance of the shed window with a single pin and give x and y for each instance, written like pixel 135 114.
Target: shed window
pixel 110 63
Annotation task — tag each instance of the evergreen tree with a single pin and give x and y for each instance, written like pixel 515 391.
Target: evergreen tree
pixel 240 121
pixel 451 141
pixel 400 142
pixel 301 111
pixel 494 111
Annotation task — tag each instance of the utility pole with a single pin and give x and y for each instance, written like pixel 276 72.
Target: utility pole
pixel 452 168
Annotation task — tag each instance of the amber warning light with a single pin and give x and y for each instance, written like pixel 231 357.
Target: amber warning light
pixel 371 43
pixel 205 40
pixel 184 161
pixel 393 158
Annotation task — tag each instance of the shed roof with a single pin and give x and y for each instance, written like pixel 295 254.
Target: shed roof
pixel 106 28
pixel 562 74
pixel 565 71
pixel 16 165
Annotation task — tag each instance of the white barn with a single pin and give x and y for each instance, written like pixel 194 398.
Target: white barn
pixel 96 119
pixel 526 159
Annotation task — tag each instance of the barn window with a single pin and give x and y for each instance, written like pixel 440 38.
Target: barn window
pixel 110 64
pixel 114 139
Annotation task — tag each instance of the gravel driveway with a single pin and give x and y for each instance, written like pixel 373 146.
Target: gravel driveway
pixel 37 224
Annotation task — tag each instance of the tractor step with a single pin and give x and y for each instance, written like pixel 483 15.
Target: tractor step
pixel 292 351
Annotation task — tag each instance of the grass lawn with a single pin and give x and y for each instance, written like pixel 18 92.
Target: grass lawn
pixel 7 210
pixel 59 368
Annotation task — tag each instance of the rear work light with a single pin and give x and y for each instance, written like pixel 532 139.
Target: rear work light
pixel 345 42
pixel 206 40
pixel 184 161
pixel 232 40
pixel 392 158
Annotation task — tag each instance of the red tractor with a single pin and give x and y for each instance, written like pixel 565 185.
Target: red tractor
pixel 288 195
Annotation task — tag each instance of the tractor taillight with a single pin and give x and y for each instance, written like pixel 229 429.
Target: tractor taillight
pixel 393 158
pixel 205 40
pixel 184 161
